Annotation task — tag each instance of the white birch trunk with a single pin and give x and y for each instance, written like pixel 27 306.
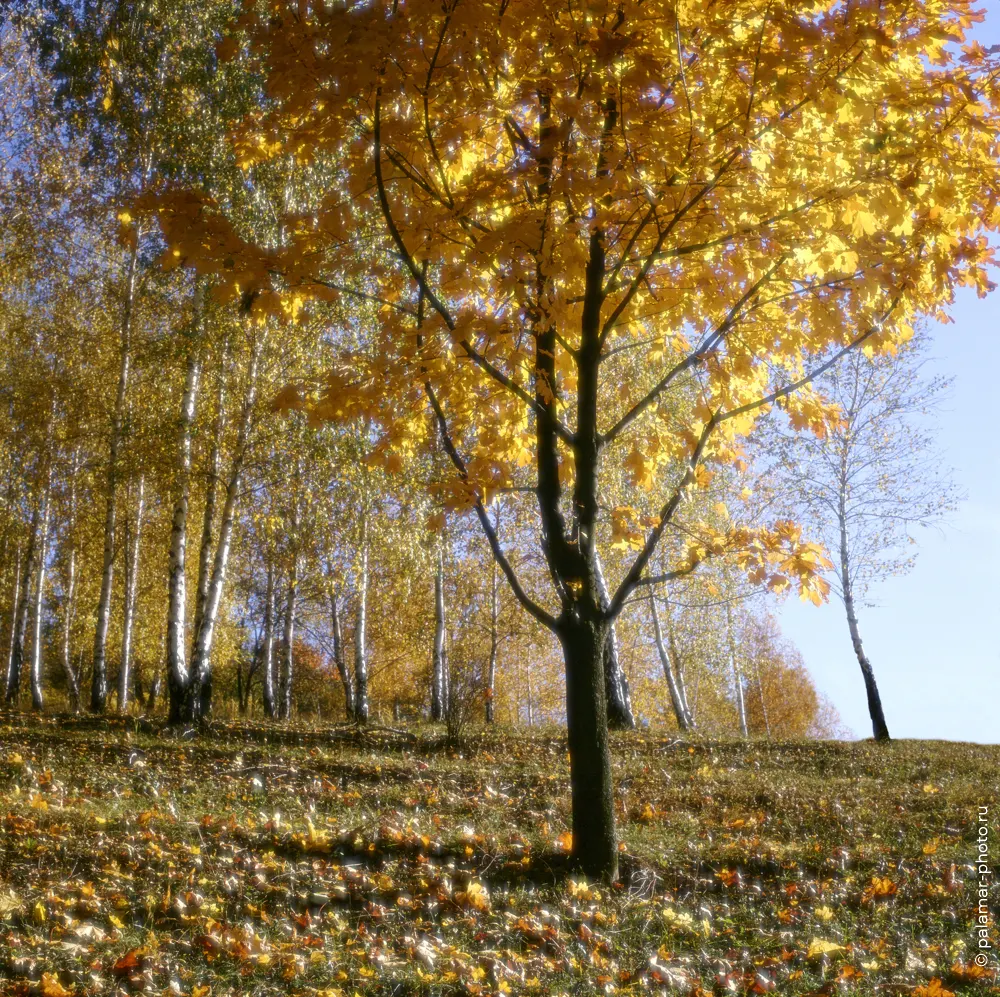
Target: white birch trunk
pixel 69 596
pixel 208 520
pixel 99 682
pixel 741 706
pixel 23 608
pixel 288 642
pixel 491 674
pixel 270 707
pixel 38 600
pixel 438 705
pixel 680 712
pixel 131 586
pixel 361 706
pixel 15 609
pixel 201 657
pixel 338 656
pixel 177 670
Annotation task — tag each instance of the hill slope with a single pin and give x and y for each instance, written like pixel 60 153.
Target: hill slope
pixel 257 859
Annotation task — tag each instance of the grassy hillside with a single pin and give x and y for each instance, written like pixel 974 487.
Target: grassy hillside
pixel 256 859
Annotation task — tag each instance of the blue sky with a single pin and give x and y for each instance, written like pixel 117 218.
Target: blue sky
pixel 934 637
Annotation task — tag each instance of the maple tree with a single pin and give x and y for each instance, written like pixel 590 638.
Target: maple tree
pixel 742 191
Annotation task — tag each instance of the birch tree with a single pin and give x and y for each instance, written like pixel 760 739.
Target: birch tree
pixel 874 483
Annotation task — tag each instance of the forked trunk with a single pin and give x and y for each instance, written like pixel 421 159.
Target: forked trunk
pixel 676 700
pixel 677 662
pixel 338 657
pixel 210 600
pixel 595 849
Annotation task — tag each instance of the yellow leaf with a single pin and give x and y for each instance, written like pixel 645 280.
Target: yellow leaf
pixel 933 989
pixel 51 987
pixel 819 947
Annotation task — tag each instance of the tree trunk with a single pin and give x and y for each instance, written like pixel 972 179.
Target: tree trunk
pixel 595 849
pixel 617 693
pixel 15 615
pixel 439 707
pixel 741 706
pixel 270 705
pixel 133 541
pixel 880 730
pixel 23 608
pixel 338 656
pixel 360 636
pixel 675 658
pixel 763 702
pixel 676 701
pixel 491 673
pixel 208 523
pixel 288 642
pixel 178 676
pixel 37 655
pixel 678 663
pixel 99 680
pixel 205 624
pixel 69 597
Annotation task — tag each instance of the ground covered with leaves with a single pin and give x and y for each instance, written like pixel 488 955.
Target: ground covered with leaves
pixel 256 859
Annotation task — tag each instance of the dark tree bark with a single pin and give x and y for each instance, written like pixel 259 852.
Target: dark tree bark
pixel 594 843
